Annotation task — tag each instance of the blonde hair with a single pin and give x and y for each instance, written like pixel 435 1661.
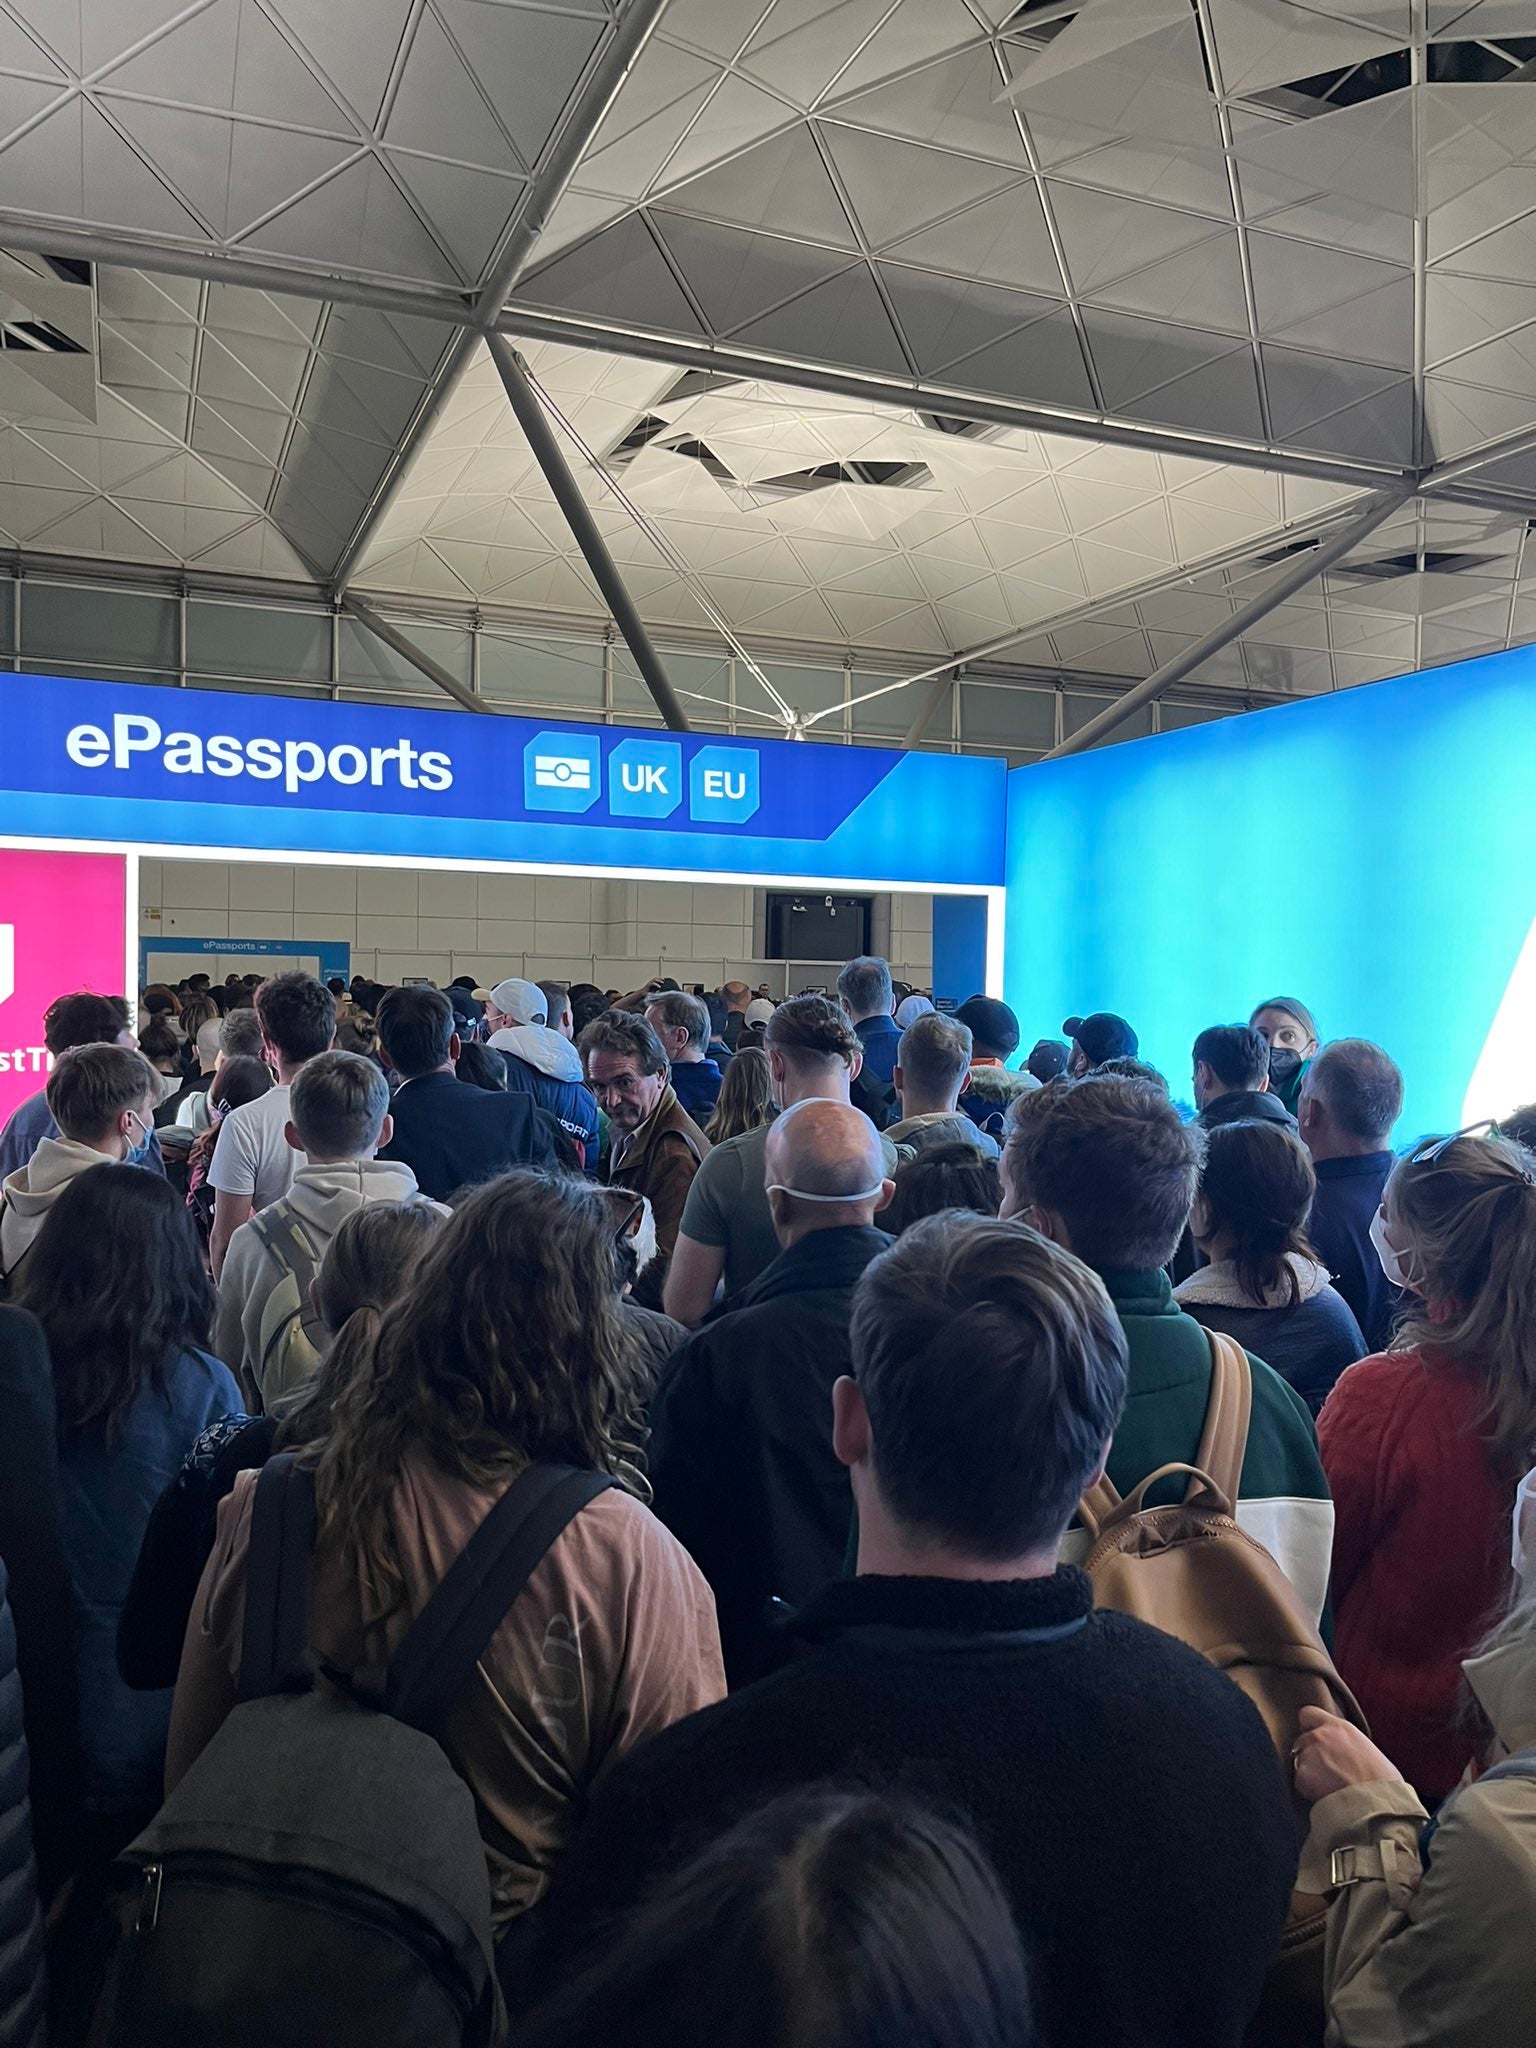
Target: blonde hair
pixel 1468 1212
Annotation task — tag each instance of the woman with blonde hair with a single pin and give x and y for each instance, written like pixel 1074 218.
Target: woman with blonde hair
pixel 507 1352
pixel 1423 1445
pixel 745 1101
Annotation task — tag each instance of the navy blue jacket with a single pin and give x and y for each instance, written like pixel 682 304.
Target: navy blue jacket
pixel 879 1036
pixel 454 1136
pixel 696 1083
pixel 1348 1196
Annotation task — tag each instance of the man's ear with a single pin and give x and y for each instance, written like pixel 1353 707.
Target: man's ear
pixel 850 1422
pixel 1047 1223
pixel 386 1132
pixel 455 1047
pixel 896 1080
pixel 887 1192
pixel 293 1137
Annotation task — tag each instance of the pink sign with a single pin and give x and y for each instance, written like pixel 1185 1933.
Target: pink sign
pixel 63 919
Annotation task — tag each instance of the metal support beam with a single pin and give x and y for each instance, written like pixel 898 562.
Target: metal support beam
pixel 917 393
pixel 935 697
pixel 550 183
pixel 540 436
pixel 418 657
pixel 1295 576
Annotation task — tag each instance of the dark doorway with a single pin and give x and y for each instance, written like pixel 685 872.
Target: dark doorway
pixel 811 925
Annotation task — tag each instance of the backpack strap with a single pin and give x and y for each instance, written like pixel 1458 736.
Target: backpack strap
pixel 274 1647
pixel 1223 1442
pixel 431 1668
pixel 278 1233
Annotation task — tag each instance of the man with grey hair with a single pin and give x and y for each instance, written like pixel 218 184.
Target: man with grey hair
pixel 1351 1096
pixel 681 1022
pixel 741 1460
pixel 933 1064
pixel 268 1332
pixel 864 988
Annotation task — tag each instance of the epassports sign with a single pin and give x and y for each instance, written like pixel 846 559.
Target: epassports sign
pixel 97 760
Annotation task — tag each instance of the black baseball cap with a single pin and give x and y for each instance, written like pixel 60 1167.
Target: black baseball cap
pixel 1103 1036
pixel 990 1023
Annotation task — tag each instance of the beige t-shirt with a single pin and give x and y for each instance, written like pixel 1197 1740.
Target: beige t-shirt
pixel 612 1639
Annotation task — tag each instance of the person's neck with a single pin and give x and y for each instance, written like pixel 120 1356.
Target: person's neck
pixel 690 1056
pixel 886 1551
pixel 915 1103
pixel 106 1146
pixel 1221 1094
pixel 1328 1145
pixel 855 1216
pixel 286 1069
pixel 867 1016
pixel 820 1086
pixel 351 1159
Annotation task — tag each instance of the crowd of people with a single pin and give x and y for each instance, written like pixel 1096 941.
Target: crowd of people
pixel 892 1539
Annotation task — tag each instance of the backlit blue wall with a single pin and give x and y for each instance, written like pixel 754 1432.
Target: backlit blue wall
pixel 1372 853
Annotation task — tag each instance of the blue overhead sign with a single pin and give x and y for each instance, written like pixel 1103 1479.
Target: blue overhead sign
pixel 93 760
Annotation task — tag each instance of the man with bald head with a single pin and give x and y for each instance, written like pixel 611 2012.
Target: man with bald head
pixel 741 1457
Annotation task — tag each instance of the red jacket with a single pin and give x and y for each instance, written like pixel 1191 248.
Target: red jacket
pixel 1421 1551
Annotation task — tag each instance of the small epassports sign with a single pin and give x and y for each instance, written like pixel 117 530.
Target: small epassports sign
pixel 193 767
pixel 63 917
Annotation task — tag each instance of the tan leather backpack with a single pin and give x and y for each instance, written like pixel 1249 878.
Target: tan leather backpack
pixel 1189 1570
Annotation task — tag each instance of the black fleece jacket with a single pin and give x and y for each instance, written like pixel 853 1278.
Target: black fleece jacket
pixel 1127 1792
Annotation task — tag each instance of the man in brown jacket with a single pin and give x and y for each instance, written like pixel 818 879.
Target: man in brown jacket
pixel 655 1147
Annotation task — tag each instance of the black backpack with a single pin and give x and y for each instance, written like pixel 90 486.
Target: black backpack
pixel 318 1875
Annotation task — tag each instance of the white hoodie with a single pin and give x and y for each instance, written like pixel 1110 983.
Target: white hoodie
pixel 31 1191
pixel 321 1198
pixel 543 1050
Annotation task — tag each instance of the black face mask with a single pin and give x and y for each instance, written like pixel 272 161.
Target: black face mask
pixel 1284 1065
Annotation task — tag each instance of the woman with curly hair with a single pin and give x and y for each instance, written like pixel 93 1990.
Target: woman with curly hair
pixel 505 1352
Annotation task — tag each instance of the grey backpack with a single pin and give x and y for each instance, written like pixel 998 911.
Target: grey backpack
pixel 318 1875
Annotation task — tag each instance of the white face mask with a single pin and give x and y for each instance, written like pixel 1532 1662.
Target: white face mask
pixel 1391 1259
pixel 1523 1549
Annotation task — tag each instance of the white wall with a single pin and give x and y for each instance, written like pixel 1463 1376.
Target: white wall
pixel 400 922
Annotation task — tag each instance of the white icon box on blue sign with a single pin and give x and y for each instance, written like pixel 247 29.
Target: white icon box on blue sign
pixel 723 785
pixel 562 771
pixel 645 778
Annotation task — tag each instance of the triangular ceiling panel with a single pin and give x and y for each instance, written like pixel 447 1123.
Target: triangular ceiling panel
pixel 781 184
pixel 20 52
pixel 841 321
pixel 527 63
pixel 796 60
pixel 908 36
pixel 237 171
pixel 737 276
pixel 620 272
pixel 1042 363
pixel 1107 237
pixel 360 218
pixel 1201 286
pixel 1003 240
pixel 1264 43
pixel 954 101
pixel 1224 391
pixel 230 58
pixel 735 114
pixel 470 208
pixel 945 319
pixel 438 107
pixel 895 188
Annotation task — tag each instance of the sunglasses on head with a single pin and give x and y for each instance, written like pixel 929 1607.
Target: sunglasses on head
pixel 1428 1150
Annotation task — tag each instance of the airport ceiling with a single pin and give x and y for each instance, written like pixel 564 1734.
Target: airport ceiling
pixel 918 330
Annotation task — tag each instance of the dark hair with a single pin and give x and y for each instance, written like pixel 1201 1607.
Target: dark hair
pixel 745 1101
pixel 1258 1187
pixel 507 1349
pixel 241 1079
pixel 481 1067
pixel 947 1174
pixel 586 1008
pixel 1519 1128
pixel 91 1086
pixel 415 1026
pixel 298 1015
pixel 865 986
pixel 1235 1053
pixel 1361 1088
pixel 368 1264
pixel 160 1000
pixel 83 1018
pixel 993 1367
pixel 992 1025
pixel 826 1919
pixel 626 1036
pixel 811 1028
pixel 1113 1160
pixel 934 1054
pixel 338 1105
pixel 556 995
pixel 116 1279
pixel 157 1041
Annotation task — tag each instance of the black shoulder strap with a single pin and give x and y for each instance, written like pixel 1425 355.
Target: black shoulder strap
pixel 274 1647
pixel 433 1665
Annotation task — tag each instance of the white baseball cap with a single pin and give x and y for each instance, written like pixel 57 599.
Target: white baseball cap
pixel 759 1010
pixel 523 1001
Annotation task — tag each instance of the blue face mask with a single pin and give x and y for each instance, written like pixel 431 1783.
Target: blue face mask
pixel 138 1155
